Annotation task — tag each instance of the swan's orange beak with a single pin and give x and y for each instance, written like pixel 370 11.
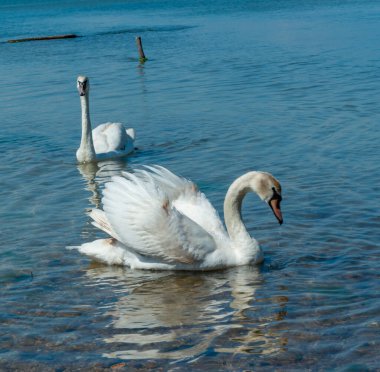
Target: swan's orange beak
pixel 274 203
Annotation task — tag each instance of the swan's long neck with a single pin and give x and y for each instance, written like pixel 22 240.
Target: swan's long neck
pixel 86 151
pixel 232 207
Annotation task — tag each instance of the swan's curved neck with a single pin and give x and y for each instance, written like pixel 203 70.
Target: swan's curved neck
pixel 86 151
pixel 232 206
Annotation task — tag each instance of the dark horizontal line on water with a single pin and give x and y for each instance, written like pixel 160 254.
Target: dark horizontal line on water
pixel 146 29
pixel 135 30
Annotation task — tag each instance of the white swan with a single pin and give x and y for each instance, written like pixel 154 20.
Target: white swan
pixel 158 220
pixel 106 141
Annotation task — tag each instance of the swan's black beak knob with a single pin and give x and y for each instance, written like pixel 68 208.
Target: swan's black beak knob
pixel 82 86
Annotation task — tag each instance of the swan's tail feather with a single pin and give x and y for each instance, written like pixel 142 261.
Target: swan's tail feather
pixel 131 133
pixel 104 250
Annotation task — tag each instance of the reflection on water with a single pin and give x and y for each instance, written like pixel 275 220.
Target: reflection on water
pixel 96 174
pixel 165 315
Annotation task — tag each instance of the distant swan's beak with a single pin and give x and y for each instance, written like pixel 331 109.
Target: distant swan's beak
pixel 274 203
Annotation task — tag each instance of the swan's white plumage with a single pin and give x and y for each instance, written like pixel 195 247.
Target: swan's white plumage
pixel 109 137
pixel 106 141
pixel 158 220
pixel 101 222
pixel 141 211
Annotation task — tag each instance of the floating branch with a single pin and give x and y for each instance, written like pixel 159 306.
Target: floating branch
pixel 142 57
pixel 69 36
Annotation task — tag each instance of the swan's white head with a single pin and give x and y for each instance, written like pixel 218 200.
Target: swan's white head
pixel 269 190
pixel 83 85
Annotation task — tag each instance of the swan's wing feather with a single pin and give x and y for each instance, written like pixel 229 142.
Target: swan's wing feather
pixel 139 209
pixel 109 137
pixel 193 238
pixel 101 222
pixel 197 207
pixel 188 200
pixel 168 181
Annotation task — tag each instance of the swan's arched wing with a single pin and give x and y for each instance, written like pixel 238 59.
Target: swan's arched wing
pixel 189 201
pixel 171 184
pixel 109 137
pixel 197 207
pixel 140 210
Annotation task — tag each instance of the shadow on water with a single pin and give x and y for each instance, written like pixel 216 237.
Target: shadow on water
pixel 139 30
pixel 181 316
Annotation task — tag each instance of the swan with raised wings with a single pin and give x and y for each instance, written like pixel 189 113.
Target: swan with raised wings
pixel 106 141
pixel 158 220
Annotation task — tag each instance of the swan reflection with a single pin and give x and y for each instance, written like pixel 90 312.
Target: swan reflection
pixel 96 174
pixel 182 316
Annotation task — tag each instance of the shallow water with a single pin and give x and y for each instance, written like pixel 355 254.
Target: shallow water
pixel 287 87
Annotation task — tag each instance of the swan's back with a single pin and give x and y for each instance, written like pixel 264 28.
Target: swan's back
pixel 109 137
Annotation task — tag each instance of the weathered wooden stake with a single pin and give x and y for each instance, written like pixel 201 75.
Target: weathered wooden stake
pixel 142 57
pixel 69 36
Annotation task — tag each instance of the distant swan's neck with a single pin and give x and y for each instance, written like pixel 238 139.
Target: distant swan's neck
pixel 232 207
pixel 86 151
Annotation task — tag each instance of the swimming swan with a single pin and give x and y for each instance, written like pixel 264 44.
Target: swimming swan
pixel 106 141
pixel 158 220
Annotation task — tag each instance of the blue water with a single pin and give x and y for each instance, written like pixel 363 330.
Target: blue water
pixel 290 87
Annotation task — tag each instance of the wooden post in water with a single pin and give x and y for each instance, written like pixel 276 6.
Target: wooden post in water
pixel 142 57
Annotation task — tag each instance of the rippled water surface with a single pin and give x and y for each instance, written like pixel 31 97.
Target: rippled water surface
pixel 287 87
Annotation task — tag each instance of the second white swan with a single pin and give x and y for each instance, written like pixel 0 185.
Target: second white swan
pixel 158 220
pixel 106 141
